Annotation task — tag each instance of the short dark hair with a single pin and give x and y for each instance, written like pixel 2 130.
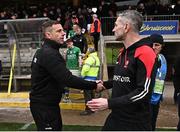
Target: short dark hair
pixel 157 38
pixel 69 40
pixel 46 26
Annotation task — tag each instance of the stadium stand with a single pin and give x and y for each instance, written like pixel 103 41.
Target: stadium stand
pixel 107 11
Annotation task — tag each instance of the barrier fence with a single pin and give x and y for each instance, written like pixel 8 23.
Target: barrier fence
pixel 19 39
pixel 107 23
pixel 25 33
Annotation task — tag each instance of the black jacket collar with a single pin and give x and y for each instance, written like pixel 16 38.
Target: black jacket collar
pixel 51 43
pixel 144 41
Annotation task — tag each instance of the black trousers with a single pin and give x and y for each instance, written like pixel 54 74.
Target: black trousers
pixel 176 89
pixel 114 124
pixel 47 118
pixel 154 114
pixel 88 95
pixel 96 39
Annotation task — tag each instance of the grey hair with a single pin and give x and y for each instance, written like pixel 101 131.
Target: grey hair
pixel 134 18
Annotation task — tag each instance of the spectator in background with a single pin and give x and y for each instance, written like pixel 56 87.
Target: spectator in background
pixel 84 9
pixel 82 20
pixel 72 55
pixel 176 82
pixel 73 63
pixel 89 72
pixel 162 9
pixel 67 23
pixel 141 9
pixel 74 20
pixel 157 94
pixel 3 15
pixel 177 7
pixel 71 19
pixel 1 67
pixel 79 39
pixel 95 30
pixel 113 8
pixel 89 38
pixel 89 18
pixel 111 14
pixel 105 9
pixel 99 11
pixel 151 7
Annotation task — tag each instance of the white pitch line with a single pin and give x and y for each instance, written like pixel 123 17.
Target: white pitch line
pixel 26 126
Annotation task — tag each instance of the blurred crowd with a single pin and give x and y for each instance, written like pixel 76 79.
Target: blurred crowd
pixel 67 14
pixel 62 12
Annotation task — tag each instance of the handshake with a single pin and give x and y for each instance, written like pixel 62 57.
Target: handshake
pixel 100 86
pixel 98 103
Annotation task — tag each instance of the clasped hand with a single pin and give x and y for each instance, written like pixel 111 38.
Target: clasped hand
pixel 100 103
pixel 100 86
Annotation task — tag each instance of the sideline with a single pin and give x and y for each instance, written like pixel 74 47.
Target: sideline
pixel 26 125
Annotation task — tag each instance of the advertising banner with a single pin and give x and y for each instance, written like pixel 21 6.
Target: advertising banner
pixel 160 27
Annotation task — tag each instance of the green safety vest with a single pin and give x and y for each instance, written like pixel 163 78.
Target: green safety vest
pixel 91 66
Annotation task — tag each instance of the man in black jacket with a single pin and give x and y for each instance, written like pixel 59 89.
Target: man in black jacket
pixel 133 79
pixel 49 77
pixel 79 39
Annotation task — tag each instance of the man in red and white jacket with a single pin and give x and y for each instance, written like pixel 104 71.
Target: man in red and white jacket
pixel 133 79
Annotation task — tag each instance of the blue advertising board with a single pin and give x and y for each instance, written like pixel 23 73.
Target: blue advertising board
pixel 160 27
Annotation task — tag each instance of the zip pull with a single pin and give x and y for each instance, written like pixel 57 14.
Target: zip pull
pixel 126 61
pixel 119 56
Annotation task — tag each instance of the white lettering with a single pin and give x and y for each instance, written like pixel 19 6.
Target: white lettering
pixel 121 78
pixel 35 60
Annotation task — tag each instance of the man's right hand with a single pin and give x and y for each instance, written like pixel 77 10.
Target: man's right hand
pixel 100 86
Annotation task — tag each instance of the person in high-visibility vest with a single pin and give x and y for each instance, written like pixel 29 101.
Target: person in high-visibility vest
pixel 89 72
pixel 95 30
pixel 157 93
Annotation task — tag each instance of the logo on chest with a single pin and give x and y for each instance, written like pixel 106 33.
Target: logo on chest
pixel 121 78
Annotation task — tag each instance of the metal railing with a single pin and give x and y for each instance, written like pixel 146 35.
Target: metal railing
pixel 107 23
pixel 161 17
pixel 25 35
pixel 27 44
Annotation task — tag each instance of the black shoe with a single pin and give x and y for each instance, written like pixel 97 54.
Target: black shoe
pixel 86 112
